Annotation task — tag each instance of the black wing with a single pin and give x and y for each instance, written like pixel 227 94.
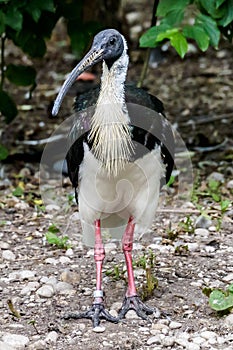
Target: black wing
pixel 149 132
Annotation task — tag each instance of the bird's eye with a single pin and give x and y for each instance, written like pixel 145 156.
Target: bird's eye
pixel 112 41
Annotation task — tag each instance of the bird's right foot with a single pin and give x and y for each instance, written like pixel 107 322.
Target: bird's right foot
pixel 96 313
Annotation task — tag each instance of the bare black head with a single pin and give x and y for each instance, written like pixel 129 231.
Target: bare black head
pixel 108 45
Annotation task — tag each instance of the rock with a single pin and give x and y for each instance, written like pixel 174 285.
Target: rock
pixel 17 341
pixel 27 274
pixel 5 346
pixel 110 247
pixel 64 260
pixel 22 206
pixel 175 325
pixel 38 345
pixel 208 335
pixel 4 245
pixel 70 277
pixel 99 329
pixel 203 222
pixel 201 232
pixel 198 340
pixel 51 261
pixel 192 346
pixel 156 339
pixel 230 184
pixel 63 287
pixel 30 287
pixel 46 291
pixel 8 255
pixel 168 341
pixel 216 176
pixel 131 314
pixel 229 320
pixel 51 337
pixel 228 278
pixel 52 207
pixel 69 252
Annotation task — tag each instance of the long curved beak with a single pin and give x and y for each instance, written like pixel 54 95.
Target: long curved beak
pixel 92 57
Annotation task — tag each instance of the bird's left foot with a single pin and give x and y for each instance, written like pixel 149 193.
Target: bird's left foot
pixel 135 303
pixel 95 313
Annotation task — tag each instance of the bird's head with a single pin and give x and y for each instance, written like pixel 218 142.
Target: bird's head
pixel 108 45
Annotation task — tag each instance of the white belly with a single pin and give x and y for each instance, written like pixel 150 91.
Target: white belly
pixel 135 191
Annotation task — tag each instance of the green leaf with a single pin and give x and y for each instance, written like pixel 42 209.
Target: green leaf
pixel 173 17
pixel 53 229
pixel 227 18
pixel 210 27
pixel 211 9
pixel 219 301
pixel 224 205
pixel 3 152
pixel 21 75
pixel 198 34
pixel 218 3
pixel 7 106
pixel 14 18
pixel 31 43
pixel 2 22
pixel 166 6
pixel 149 38
pixel 179 43
pixel 18 192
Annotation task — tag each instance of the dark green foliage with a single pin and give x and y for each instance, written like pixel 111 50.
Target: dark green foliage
pixel 28 23
pixel 209 19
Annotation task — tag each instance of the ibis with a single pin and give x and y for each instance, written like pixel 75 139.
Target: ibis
pixel 118 165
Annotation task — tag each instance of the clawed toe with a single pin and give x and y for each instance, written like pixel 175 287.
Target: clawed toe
pixel 95 313
pixel 135 303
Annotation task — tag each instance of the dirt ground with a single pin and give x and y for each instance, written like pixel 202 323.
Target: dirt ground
pixel 189 254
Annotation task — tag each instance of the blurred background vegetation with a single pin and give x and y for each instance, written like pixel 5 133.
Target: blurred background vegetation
pixel 28 24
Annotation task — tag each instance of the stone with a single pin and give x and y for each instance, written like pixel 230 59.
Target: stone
pixel 156 339
pixel 203 232
pixel 64 260
pixel 131 314
pixel 216 176
pixel 17 341
pixel 22 206
pixel 228 278
pixel 51 337
pixel 168 341
pixel 229 320
pixel 63 287
pixel 175 325
pixel 46 291
pixel 70 277
pixel 69 252
pixel 8 255
pixel 52 207
pixel 5 346
pixel 208 335
pixel 230 184
pixel 203 222
pixel 192 346
pixel 27 274
pixel 99 329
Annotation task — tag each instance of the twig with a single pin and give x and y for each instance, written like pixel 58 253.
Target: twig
pixel 147 55
pixel 186 211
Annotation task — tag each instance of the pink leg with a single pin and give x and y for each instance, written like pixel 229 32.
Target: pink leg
pixel 97 311
pixel 99 255
pixel 131 300
pixel 127 246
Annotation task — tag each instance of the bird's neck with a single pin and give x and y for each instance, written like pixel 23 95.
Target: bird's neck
pixel 110 133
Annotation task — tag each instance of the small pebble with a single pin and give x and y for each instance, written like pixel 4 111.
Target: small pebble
pixel 52 207
pixel 51 337
pixel 5 346
pixel 64 260
pixel 230 184
pixel 192 346
pixel 131 314
pixel 175 325
pixel 154 340
pixel 229 320
pixel 69 252
pixel 22 206
pixel 8 255
pixel 203 222
pixel 201 232
pixel 63 287
pixel 216 176
pixel 228 278
pixel 46 291
pixel 17 341
pixel 70 277
pixel 208 334
pixel 99 329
